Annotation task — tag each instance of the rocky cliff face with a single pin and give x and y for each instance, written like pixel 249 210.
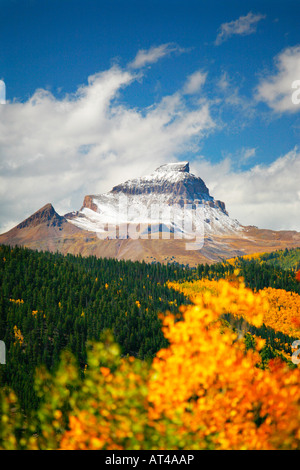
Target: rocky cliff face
pixel 169 186
pixel 89 204
pixel 174 180
pixel 46 215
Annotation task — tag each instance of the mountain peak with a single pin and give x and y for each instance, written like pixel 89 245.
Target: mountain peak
pixel 173 179
pixel 183 167
pixel 46 214
pixel 170 186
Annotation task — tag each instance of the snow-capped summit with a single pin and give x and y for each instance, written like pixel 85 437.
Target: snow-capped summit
pixel 183 167
pixel 170 204
pixel 172 180
pixel 162 199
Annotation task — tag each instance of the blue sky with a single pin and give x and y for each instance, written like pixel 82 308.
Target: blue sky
pixel 98 91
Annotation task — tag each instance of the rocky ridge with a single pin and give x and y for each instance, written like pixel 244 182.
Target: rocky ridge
pixel 46 215
pixel 171 185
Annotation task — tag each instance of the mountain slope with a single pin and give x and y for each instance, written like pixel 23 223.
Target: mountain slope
pixel 149 218
pixel 163 200
pixel 43 230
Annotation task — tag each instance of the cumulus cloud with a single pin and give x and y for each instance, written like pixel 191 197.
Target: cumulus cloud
pixel 243 26
pixel 194 82
pixel 266 196
pixel 58 150
pixel 277 90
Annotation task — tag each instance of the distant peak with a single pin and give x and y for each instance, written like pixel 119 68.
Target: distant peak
pixel 183 167
pixel 47 207
pixel 172 179
pixel 46 214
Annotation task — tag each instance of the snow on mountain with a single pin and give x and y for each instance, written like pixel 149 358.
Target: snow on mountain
pixel 171 204
pixel 169 201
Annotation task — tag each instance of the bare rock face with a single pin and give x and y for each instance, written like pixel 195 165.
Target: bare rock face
pixel 170 189
pixel 89 204
pixel 46 215
pixel 174 180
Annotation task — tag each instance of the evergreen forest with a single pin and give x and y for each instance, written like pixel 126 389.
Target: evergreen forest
pixel 50 303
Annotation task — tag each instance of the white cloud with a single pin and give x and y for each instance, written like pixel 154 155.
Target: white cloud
pixel 277 90
pixel 150 56
pixel 59 150
pixel 266 195
pixel 2 92
pixel 194 82
pixel 244 25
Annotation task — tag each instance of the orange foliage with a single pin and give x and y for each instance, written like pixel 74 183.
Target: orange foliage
pixel 18 335
pixel 284 311
pixel 204 391
pixel 110 412
pixel 252 256
pixel 213 385
pixel 281 309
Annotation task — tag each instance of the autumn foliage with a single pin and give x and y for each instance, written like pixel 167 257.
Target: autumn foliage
pixel 281 308
pixel 206 390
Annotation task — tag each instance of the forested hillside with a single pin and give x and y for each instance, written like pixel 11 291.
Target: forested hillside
pixel 140 340
pixel 276 269
pixel 286 259
pixel 49 302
